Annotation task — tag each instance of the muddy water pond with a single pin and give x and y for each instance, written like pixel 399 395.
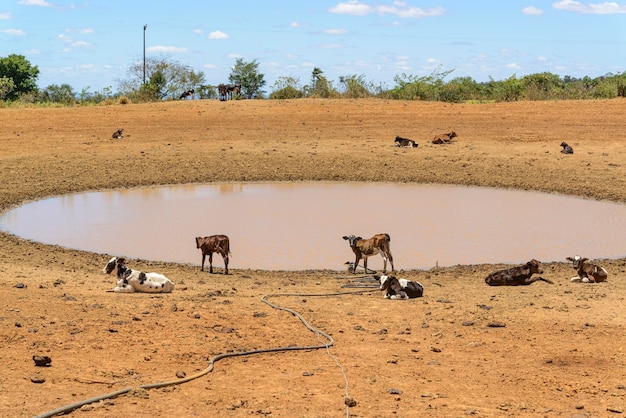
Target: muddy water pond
pixel 299 226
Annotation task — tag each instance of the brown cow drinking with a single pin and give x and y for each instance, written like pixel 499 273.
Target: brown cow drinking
pixel 214 244
pixel 517 276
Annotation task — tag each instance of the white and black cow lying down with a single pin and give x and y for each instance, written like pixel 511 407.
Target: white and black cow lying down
pixel 517 276
pixel 587 271
pixel 399 288
pixel 405 142
pixel 129 280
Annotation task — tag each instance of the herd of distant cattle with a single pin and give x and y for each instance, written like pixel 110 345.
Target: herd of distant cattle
pixel 129 280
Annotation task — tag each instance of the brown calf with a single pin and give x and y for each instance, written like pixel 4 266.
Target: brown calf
pixel 517 276
pixel 587 271
pixel 214 244
pixel 444 138
pixel 364 248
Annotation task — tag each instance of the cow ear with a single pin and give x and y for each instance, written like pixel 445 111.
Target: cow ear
pixel 358 238
pixel 569 259
pixel 345 237
pixel 121 260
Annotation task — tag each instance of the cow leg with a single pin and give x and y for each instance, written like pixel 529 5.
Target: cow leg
pixel 225 257
pixel 365 264
pixel 211 263
pixel 356 264
pixel 203 257
pixel 390 257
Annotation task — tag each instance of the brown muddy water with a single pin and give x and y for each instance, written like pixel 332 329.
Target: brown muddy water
pixel 299 226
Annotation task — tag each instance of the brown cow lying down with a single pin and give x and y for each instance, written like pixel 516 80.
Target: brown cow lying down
pixel 444 138
pixel 399 288
pixel 587 271
pixel 517 276
pixel 405 142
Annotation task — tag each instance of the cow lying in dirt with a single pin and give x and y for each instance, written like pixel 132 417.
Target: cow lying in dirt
pixel 517 276
pixel 399 288
pixel 587 271
pixel 566 148
pixel 118 134
pixel 129 280
pixel 444 138
pixel 405 142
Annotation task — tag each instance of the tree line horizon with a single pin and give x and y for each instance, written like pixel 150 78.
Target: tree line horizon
pixel 168 80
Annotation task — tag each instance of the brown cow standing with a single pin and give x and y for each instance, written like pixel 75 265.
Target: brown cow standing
pixel 517 276
pixel 214 244
pixel 364 248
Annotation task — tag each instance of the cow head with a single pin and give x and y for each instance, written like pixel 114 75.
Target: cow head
pixel 452 135
pixel 110 266
pixel 576 261
pixel 534 266
pixel 352 239
pixel 384 281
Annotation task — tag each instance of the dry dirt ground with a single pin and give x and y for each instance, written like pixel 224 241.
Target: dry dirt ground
pixel 464 349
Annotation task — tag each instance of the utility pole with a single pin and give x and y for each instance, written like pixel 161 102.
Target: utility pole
pixel 144 53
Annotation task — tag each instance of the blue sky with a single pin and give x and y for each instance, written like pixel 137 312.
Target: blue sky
pixel 91 43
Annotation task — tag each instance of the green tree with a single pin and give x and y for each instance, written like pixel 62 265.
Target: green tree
pixel 6 86
pixel 166 79
pixel 24 75
pixel 247 74
pixel 412 87
pixel 356 87
pixel 286 88
pixel 63 94
pixel 320 85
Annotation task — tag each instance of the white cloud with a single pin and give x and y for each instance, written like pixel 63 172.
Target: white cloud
pixel 41 3
pixel 81 44
pixel 401 9
pixel 235 56
pixel 168 49
pixel 6 16
pixel 218 35
pixel 295 25
pixel 335 31
pixel 82 31
pixel 532 11
pixel 197 31
pixel 352 7
pixel 397 8
pixel 513 66
pixel 608 7
pixel 16 32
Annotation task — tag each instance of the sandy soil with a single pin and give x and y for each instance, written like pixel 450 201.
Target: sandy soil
pixel 464 349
